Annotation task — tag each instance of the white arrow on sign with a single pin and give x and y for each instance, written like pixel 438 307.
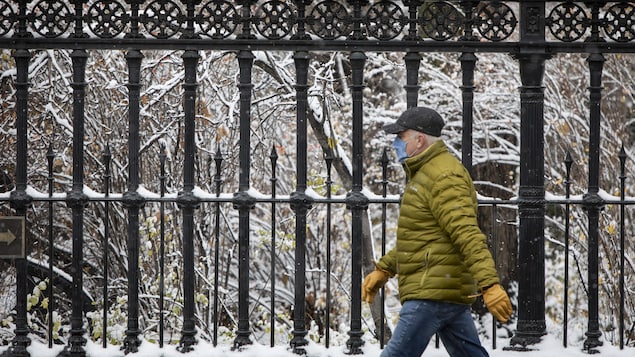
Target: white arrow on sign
pixel 7 237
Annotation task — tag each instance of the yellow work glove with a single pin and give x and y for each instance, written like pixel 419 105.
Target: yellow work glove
pixel 497 302
pixel 372 283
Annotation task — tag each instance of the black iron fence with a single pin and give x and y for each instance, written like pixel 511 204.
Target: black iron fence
pixel 531 31
pixel 60 292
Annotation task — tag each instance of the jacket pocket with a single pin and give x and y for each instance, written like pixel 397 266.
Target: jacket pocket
pixel 426 266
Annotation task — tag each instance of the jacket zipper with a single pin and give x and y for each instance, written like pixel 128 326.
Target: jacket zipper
pixel 426 265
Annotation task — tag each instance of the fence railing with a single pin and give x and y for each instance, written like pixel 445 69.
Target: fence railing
pixel 56 279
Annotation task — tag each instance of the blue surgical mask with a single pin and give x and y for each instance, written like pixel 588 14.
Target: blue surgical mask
pixel 400 149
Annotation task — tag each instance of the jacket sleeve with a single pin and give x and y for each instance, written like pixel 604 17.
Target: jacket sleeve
pixel 389 262
pixel 454 204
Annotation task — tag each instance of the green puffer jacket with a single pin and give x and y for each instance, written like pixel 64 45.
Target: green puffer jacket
pixel 441 253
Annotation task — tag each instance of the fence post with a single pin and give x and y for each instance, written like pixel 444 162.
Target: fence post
pixel 568 161
pixel 218 181
pixel 468 62
pixel 357 203
pixel 188 201
pixel 531 253
pixel 622 156
pixel 413 61
pixel 50 156
pixel 106 157
pixel 21 201
pixel 300 203
pixel 328 158
pixel 133 201
pixel 384 217
pixel 77 200
pixel 593 203
pixel 273 157
pixel 162 177
pixel 242 200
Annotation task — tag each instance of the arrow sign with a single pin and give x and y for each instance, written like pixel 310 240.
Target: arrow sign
pixel 12 237
pixel 7 237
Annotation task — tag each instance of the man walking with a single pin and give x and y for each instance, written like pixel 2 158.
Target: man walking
pixel 441 256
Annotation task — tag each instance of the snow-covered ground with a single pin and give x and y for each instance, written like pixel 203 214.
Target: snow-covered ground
pixel 549 347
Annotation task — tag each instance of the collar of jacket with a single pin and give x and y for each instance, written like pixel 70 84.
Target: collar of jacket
pixel 413 164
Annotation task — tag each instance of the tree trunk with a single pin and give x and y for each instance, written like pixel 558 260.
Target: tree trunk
pixel 368 264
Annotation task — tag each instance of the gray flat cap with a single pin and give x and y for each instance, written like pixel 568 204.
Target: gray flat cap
pixel 422 119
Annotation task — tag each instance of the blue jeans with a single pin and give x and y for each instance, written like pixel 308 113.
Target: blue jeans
pixel 419 320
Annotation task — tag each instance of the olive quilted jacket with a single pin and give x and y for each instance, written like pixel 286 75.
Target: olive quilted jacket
pixel 441 253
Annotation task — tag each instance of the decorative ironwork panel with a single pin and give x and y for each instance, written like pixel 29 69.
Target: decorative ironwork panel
pixel 107 19
pixel 496 21
pixel 385 20
pixel 275 19
pixel 567 22
pixel 330 20
pixel 619 23
pixel 7 17
pixel 336 21
pixel 440 21
pixel 218 19
pixel 50 18
pixel 163 19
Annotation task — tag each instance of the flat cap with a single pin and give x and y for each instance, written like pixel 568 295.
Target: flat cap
pixel 422 119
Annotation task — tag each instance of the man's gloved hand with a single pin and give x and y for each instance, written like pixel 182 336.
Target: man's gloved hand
pixel 497 302
pixel 372 283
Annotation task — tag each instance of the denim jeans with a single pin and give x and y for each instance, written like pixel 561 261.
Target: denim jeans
pixel 419 320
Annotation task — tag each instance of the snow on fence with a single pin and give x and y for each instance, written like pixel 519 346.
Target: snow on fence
pixel 182 262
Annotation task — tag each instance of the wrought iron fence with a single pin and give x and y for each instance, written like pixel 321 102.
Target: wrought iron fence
pixel 532 31
pixel 45 270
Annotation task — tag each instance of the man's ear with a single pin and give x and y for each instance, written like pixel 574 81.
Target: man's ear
pixel 422 140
